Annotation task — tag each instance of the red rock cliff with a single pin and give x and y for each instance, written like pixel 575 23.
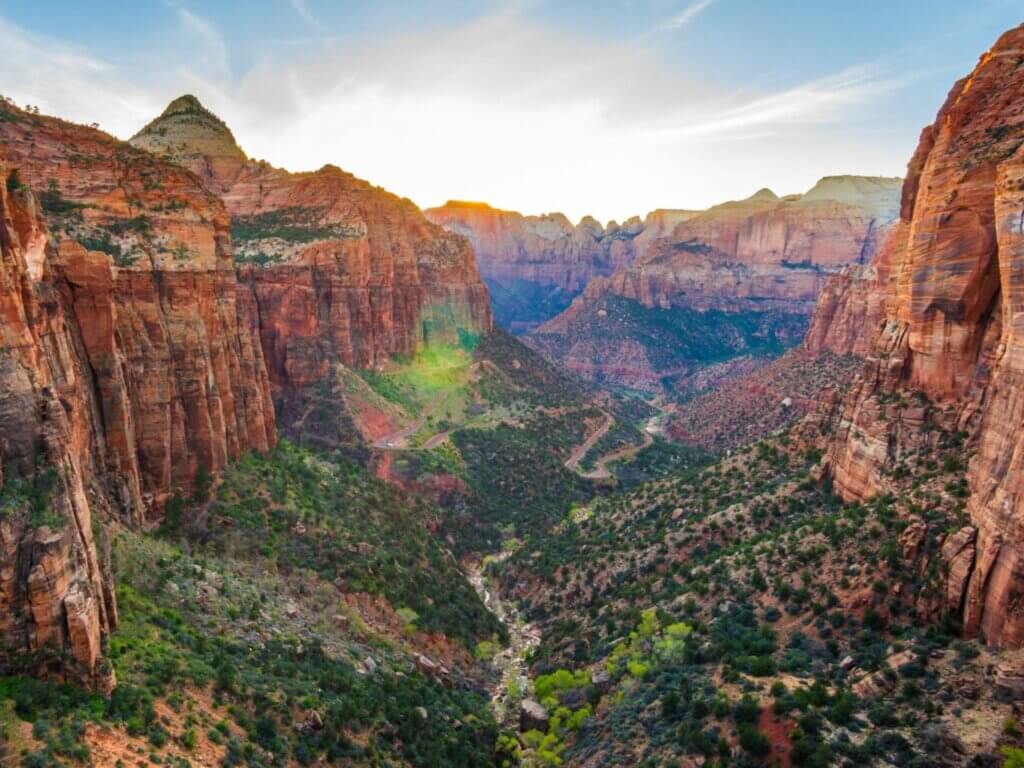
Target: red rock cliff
pixel 340 271
pixel 764 252
pixel 950 331
pixel 56 597
pixel 142 252
pixel 765 259
pixel 544 249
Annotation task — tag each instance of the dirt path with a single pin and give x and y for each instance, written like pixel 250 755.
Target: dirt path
pixel 573 462
pixel 600 472
pixel 435 440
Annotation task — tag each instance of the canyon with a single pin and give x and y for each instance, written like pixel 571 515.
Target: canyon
pixel 140 357
pixel 536 265
pixel 749 271
pixel 277 488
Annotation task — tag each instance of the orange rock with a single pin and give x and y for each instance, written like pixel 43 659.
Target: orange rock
pixel 545 249
pixel 949 328
pixel 766 255
pixel 356 274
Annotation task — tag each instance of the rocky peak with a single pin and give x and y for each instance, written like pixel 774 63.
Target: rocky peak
pixel 763 195
pixel 877 194
pixel 191 135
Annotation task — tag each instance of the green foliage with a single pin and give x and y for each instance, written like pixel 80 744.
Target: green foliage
pixel 672 339
pixel 293 225
pixel 560 681
pixel 14 183
pixel 55 204
pixel 361 533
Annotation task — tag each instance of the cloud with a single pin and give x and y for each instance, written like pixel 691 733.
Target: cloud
pixel 64 79
pixel 688 14
pixel 303 10
pixel 824 100
pixel 501 107
pixel 213 49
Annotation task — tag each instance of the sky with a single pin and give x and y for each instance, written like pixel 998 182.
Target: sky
pixel 603 108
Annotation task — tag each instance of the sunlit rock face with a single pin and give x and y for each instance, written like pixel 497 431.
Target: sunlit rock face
pixel 143 254
pixel 546 249
pixel 949 330
pixel 753 269
pixel 337 270
pixel 56 598
pixel 536 265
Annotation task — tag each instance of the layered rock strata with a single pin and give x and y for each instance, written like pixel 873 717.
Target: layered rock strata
pixel 949 333
pixel 340 272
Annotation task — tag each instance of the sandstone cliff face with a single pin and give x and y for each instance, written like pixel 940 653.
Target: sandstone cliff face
pixel 763 252
pixel 852 305
pixel 753 269
pixel 143 251
pixel 56 598
pixel 338 271
pixel 544 249
pixel 949 332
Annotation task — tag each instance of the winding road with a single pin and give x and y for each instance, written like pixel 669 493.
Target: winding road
pixel 573 462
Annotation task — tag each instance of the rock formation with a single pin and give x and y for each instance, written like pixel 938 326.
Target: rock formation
pixel 56 597
pixel 948 333
pixel 545 249
pixel 763 261
pixel 340 271
pixel 143 254
pixel 135 358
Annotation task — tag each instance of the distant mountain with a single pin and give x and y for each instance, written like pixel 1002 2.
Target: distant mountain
pixel 536 265
pixel 739 279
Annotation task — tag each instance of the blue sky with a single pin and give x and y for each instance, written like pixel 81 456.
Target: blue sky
pixel 608 108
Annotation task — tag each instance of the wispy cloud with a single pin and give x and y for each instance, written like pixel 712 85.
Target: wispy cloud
pixel 303 10
pixel 824 100
pixel 64 79
pixel 213 46
pixel 688 14
pixel 505 108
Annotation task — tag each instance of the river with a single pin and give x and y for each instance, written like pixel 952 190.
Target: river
pixel 511 660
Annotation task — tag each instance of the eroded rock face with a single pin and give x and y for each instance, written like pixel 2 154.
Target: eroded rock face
pixel 753 269
pixel 950 331
pixel 339 272
pixel 180 381
pixel 546 249
pixel 764 252
pixel 56 601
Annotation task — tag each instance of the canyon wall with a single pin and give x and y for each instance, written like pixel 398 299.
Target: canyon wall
pixel 751 271
pixel 546 249
pixel 762 252
pixel 137 358
pixel 340 272
pixel 56 596
pixel 948 333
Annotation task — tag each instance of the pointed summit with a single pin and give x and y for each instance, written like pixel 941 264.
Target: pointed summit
pixel 764 194
pixel 190 135
pixel 186 103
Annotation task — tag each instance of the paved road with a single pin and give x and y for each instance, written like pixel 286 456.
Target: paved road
pixel 399 440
